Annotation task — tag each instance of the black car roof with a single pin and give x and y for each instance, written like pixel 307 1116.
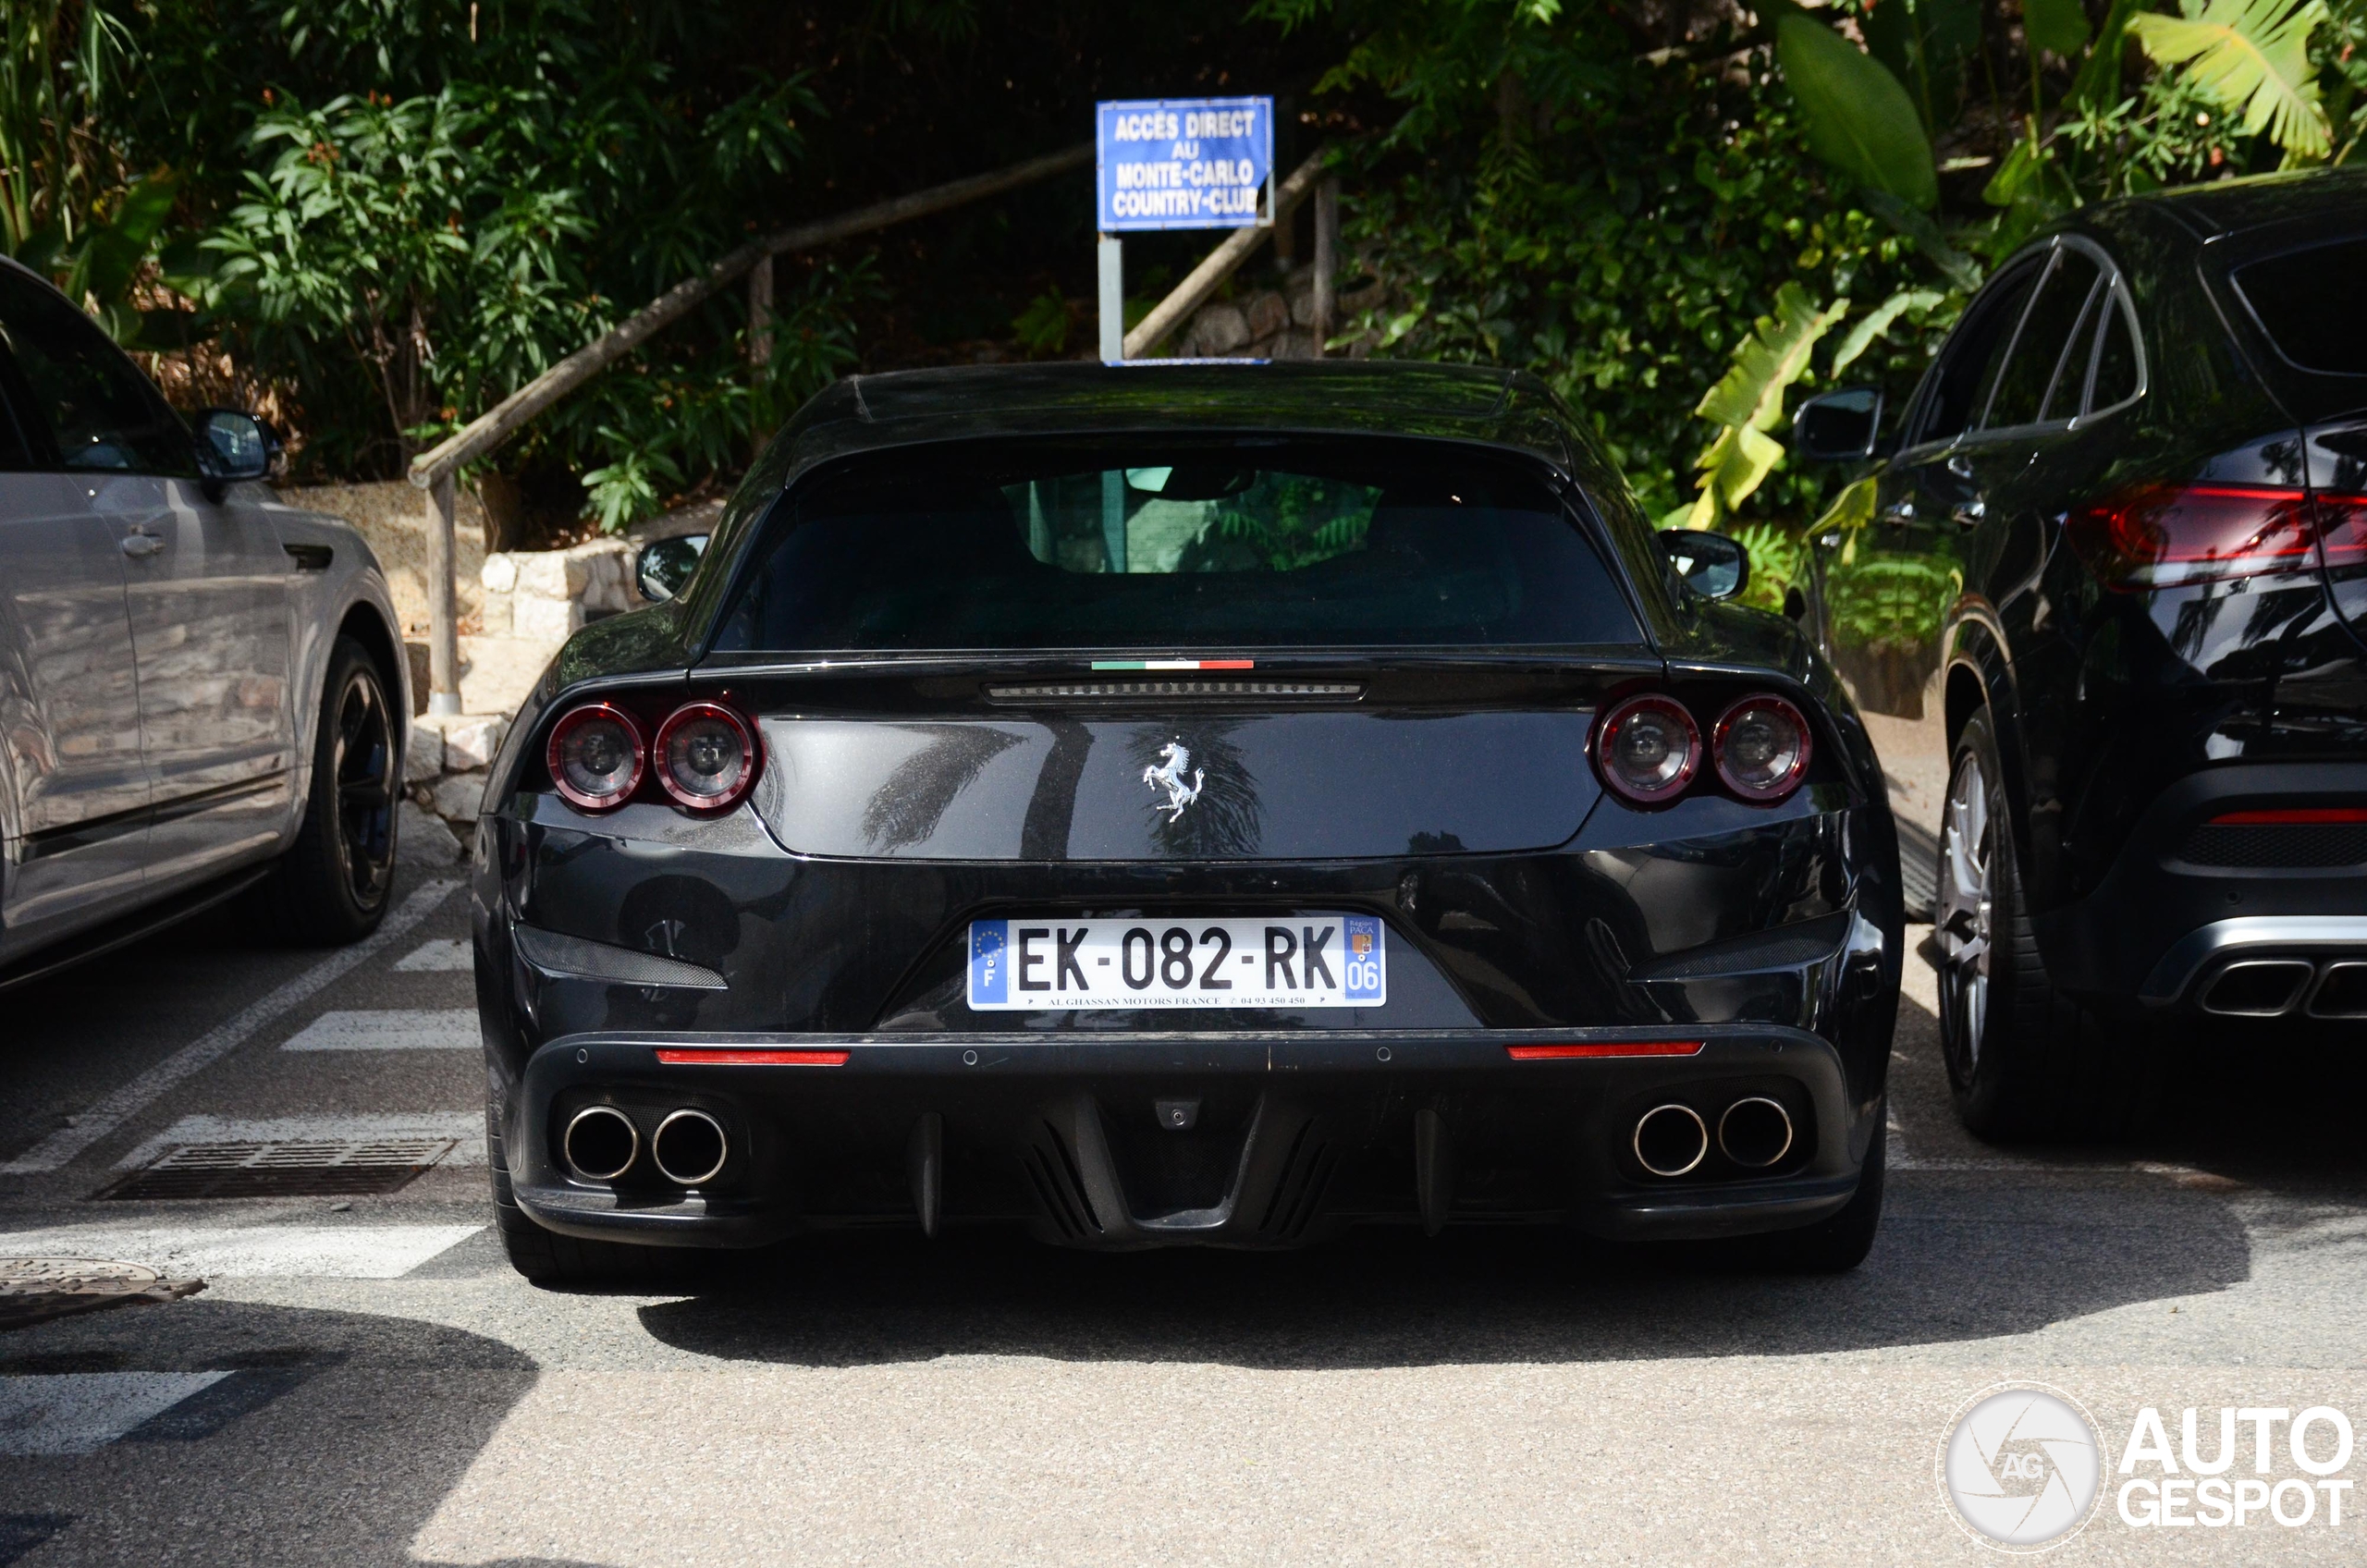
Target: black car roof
pixel 2224 207
pixel 1507 408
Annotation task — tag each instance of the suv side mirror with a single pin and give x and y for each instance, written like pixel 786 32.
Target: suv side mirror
pixel 665 565
pixel 232 446
pixel 1712 565
pixel 1838 427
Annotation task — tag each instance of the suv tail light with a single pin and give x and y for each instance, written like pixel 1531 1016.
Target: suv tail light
pixel 1647 748
pixel 1762 748
pixel 2161 535
pixel 705 756
pixel 596 757
pixel 2342 529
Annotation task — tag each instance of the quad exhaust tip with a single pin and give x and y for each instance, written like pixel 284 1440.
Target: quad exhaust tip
pixel 1671 1140
pixel 2341 993
pixel 601 1142
pixel 1755 1132
pixel 690 1149
pixel 2264 987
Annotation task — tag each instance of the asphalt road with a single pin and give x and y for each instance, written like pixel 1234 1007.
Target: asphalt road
pixel 363 1381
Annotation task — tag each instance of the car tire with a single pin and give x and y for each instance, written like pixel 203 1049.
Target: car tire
pixel 1834 1244
pixel 332 885
pixel 547 1257
pixel 2024 1060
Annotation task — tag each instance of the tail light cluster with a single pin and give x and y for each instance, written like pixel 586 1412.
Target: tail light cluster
pixel 2147 537
pixel 705 756
pixel 1649 749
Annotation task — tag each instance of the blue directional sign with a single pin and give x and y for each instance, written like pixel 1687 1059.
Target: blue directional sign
pixel 1182 163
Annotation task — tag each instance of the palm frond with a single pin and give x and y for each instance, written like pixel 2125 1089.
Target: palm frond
pixel 2252 57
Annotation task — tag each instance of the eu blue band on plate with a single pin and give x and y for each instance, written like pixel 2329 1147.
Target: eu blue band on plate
pixel 989 961
pixel 1181 162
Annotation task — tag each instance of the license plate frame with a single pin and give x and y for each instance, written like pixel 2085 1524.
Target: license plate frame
pixel 1080 962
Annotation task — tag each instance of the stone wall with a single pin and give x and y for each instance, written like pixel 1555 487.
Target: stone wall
pixel 548 594
pixel 1271 324
pixel 392 517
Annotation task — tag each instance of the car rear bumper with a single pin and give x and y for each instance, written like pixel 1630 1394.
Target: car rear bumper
pixel 1288 1137
pixel 2193 896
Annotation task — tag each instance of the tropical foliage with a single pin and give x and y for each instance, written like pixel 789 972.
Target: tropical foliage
pixel 1642 201
pixel 1682 214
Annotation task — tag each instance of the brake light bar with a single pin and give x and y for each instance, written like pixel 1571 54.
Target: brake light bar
pixel 1578 1049
pixel 2291 815
pixel 736 1056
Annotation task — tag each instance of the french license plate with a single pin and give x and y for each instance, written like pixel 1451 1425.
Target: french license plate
pixel 1302 961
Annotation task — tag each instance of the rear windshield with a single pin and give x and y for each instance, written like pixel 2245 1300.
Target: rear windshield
pixel 1167 546
pixel 2308 303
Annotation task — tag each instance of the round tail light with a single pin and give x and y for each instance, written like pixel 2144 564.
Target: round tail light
pixel 1762 745
pixel 595 755
pixel 705 756
pixel 1647 748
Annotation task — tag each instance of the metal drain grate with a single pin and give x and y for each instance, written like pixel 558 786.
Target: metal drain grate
pixel 293 1167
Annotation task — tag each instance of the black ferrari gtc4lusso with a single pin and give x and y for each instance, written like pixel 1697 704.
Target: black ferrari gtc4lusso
pixel 1164 804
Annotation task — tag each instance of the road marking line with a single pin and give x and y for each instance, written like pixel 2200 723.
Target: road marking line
pixel 467 1126
pixel 393 1029
pixel 444 952
pixel 71 1412
pixel 104 1117
pixel 324 1252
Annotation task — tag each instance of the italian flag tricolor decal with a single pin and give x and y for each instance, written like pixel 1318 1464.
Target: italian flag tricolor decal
pixel 1175 664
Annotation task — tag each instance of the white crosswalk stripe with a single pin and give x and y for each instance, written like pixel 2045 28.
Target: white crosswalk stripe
pixel 71 1412
pixel 393 1029
pixel 104 1117
pixel 333 1252
pixel 444 952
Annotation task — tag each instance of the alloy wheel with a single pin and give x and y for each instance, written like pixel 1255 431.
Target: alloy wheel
pixel 363 767
pixel 1967 907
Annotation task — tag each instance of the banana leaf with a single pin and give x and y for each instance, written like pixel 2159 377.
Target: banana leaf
pixel 1860 118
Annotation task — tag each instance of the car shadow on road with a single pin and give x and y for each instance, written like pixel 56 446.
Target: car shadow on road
pixel 335 1438
pixel 1958 1260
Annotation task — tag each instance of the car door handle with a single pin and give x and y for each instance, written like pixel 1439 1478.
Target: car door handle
pixel 140 544
pixel 1968 514
pixel 1961 466
pixel 1899 513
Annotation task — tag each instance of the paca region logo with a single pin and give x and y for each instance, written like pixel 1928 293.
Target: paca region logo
pixel 2021 1466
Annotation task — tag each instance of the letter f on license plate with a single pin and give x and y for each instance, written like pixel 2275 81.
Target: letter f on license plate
pixel 1298 961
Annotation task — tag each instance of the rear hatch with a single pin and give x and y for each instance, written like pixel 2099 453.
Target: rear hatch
pixel 2298 301
pixel 1207 648
pixel 1234 784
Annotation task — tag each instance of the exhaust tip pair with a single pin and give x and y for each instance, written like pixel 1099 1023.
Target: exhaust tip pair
pixel 2270 987
pixel 602 1144
pixel 1673 1139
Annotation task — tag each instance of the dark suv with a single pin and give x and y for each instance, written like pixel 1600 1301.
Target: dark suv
pixel 2114 560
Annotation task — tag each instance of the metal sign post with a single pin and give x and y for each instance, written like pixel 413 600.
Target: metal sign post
pixel 1175 162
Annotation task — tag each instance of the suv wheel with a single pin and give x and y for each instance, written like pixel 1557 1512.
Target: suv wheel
pixel 2023 1059
pixel 332 884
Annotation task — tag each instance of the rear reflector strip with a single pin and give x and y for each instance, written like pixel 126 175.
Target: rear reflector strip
pixel 1175 664
pixel 2295 816
pixel 1577 1050
pixel 736 1056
